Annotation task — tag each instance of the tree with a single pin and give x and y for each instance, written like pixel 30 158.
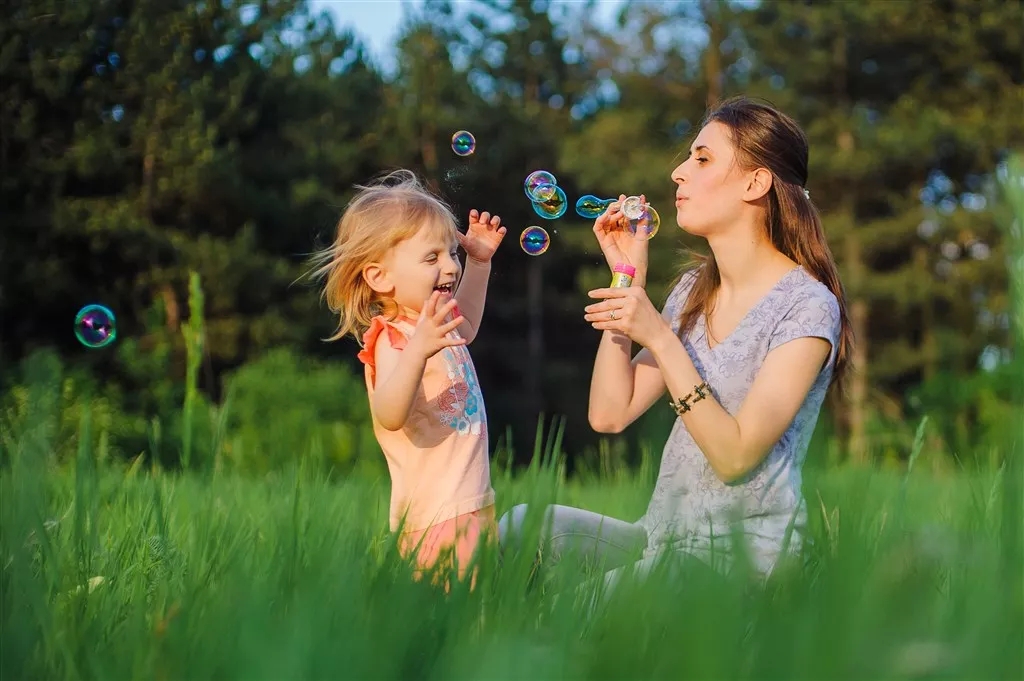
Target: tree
pixel 903 107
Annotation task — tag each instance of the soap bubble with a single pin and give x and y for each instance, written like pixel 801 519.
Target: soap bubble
pixel 633 208
pixel 590 206
pixel 538 185
pixel 95 326
pixel 649 222
pixel 534 240
pixel 553 207
pixel 463 143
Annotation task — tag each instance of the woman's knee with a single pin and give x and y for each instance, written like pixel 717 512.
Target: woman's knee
pixel 510 525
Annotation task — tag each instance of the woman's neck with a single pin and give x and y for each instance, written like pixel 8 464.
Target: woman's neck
pixel 745 262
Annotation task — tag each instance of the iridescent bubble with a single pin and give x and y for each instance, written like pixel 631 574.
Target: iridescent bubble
pixel 95 326
pixel 463 143
pixel 535 181
pixel 553 207
pixel 534 240
pixel 633 208
pixel 590 206
pixel 544 192
pixel 649 222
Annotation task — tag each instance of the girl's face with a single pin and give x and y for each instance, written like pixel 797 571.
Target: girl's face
pixel 710 186
pixel 416 267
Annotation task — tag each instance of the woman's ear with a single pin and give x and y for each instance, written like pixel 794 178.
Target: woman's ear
pixel 758 184
pixel 377 278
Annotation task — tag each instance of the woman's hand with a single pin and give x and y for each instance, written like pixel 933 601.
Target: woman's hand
pixel 618 244
pixel 629 311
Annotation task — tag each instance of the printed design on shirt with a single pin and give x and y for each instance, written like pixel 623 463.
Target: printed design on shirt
pixel 461 403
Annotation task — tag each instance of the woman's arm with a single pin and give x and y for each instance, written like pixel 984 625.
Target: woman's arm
pixel 621 390
pixel 732 445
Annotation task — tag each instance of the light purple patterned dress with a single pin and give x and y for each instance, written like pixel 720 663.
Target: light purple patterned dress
pixel 691 509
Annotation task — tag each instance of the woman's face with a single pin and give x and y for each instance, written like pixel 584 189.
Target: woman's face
pixel 710 186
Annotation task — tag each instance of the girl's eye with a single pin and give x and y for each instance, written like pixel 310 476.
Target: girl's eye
pixel 701 160
pixel 455 254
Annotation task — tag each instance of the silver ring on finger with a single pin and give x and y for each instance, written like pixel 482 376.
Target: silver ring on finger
pixel 611 314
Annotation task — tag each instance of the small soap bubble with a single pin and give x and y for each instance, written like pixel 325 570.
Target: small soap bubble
pixel 95 326
pixel 590 206
pixel 649 222
pixel 553 207
pixel 538 182
pixel 534 240
pixel 463 143
pixel 633 208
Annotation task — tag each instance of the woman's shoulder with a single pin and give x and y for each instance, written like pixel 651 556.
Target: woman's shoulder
pixel 803 294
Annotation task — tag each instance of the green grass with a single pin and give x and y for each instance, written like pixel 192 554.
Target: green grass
pixel 291 577
pixel 118 573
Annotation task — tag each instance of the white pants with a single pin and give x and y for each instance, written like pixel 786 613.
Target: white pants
pixel 590 538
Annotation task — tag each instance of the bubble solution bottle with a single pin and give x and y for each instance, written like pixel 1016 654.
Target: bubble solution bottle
pixel 622 275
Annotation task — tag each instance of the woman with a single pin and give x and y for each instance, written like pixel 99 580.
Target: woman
pixel 746 346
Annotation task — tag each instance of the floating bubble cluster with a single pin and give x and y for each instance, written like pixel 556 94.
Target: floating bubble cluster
pixel 591 207
pixel 534 240
pixel 548 199
pixel 95 326
pixel 463 143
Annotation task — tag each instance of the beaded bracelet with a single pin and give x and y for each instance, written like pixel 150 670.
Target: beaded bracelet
pixel 682 405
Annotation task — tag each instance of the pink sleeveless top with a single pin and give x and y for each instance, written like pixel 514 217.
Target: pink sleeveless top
pixel 438 461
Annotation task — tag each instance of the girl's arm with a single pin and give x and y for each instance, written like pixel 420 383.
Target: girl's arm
pixel 398 376
pixel 472 295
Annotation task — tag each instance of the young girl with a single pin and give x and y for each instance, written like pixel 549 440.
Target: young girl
pixel 393 277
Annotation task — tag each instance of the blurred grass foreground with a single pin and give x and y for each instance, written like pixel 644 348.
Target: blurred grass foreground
pixel 118 572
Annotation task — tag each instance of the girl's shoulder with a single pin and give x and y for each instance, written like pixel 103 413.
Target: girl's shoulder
pixel 397 335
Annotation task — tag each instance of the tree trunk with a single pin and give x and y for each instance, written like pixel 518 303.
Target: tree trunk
pixel 857 444
pixel 535 334
pixel 929 346
pixel 713 53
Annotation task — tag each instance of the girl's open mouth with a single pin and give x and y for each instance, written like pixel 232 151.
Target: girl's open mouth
pixel 445 288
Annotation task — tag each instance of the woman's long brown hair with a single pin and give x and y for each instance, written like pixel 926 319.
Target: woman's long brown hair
pixel 766 138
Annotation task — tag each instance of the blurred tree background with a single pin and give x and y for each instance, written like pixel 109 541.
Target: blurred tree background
pixel 143 141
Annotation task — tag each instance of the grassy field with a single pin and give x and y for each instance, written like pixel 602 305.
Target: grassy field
pixel 119 573
pixel 126 573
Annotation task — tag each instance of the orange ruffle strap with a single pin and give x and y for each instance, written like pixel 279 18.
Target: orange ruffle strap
pixel 378 324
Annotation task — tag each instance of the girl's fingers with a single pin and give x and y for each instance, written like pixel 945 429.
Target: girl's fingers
pixel 445 329
pixel 443 311
pixel 430 305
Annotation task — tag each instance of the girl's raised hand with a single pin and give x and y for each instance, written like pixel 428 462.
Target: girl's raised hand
pixel 482 237
pixel 431 333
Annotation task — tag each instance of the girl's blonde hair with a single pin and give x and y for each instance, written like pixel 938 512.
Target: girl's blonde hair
pixel 379 217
